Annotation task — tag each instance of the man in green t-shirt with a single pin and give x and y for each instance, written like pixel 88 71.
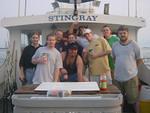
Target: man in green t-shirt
pixel 107 34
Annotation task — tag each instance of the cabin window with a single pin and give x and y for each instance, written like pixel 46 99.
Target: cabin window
pixel 26 38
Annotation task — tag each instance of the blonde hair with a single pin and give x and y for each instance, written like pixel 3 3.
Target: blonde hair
pixel 50 35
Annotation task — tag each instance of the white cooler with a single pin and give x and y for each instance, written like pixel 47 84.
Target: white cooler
pixel 100 103
pixel 145 92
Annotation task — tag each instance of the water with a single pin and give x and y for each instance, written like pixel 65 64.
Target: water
pixel 146 55
pixel 146 52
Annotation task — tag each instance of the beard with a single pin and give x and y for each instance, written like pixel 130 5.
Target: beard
pixel 124 39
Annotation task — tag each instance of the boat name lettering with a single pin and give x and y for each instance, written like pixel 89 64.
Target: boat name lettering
pixel 71 17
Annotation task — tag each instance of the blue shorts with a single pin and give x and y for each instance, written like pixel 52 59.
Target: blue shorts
pixel 29 73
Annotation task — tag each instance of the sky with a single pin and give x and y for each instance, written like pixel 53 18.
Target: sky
pixel 9 8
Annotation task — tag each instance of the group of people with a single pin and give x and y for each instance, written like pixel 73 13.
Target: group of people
pixel 66 55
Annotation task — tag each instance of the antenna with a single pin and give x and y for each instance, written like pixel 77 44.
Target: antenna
pixel 25 8
pixel 136 4
pixel 18 7
pixel 128 7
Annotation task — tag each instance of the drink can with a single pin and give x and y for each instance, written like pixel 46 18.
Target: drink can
pixel 45 58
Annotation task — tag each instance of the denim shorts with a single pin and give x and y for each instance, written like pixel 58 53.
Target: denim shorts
pixel 29 73
pixel 71 78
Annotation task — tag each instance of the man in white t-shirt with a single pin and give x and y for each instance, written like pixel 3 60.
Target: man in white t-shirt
pixel 49 62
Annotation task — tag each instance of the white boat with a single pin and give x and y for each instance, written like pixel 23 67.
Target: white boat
pixel 61 18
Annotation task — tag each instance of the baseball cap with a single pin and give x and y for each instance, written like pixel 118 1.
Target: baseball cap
pixel 73 46
pixel 87 31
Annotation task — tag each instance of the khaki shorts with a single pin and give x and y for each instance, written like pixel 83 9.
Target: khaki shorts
pixel 96 78
pixel 129 89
